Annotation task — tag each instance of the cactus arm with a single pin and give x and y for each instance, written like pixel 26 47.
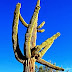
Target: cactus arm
pixel 34 33
pixel 16 49
pixel 41 30
pixel 18 55
pixel 44 50
pixel 42 61
pixel 48 45
pixel 23 21
pixel 49 42
pixel 41 25
pixel 28 37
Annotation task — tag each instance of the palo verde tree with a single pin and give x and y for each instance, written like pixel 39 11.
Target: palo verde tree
pixel 32 53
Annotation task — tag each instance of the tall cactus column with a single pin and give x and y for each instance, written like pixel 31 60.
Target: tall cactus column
pixel 32 53
pixel 29 65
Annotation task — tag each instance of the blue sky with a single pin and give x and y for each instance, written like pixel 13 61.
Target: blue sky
pixel 58 17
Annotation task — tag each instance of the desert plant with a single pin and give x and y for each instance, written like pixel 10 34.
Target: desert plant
pixel 31 51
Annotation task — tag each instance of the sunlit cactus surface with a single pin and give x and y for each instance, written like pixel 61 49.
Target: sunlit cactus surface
pixel 32 53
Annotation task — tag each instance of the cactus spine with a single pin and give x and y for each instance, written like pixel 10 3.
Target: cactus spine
pixel 31 51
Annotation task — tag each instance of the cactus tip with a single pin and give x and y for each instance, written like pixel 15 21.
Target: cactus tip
pixel 18 4
pixel 38 3
pixel 58 33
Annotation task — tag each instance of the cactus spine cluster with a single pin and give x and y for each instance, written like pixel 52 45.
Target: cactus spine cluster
pixel 31 51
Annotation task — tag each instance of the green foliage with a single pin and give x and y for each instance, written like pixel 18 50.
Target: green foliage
pixel 45 69
pixel 36 68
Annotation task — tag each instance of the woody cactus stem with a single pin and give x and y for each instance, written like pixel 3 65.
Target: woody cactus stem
pixel 31 51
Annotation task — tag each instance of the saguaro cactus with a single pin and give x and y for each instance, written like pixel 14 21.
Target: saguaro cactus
pixel 31 51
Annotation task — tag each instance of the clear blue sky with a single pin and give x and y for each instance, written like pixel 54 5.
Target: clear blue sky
pixel 58 17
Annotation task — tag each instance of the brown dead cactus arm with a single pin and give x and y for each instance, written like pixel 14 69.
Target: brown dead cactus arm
pixel 31 51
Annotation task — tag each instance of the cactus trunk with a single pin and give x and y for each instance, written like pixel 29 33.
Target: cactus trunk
pixel 29 65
